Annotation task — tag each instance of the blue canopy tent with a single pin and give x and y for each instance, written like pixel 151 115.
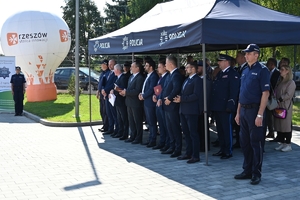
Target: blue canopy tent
pixel 187 26
pixel 181 26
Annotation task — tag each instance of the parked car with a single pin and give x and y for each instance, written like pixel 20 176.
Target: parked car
pixel 296 77
pixel 63 74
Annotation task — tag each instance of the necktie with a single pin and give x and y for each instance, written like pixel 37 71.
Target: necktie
pixel 159 80
pixel 110 73
pixel 187 80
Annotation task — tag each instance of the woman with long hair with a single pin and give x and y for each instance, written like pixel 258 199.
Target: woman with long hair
pixel 284 91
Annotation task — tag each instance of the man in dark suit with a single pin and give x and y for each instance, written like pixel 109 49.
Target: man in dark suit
pixel 134 105
pixel 225 90
pixel 101 85
pixel 274 75
pixel 189 99
pixel 122 117
pixel 170 91
pixel 149 105
pixel 164 140
pixel 110 110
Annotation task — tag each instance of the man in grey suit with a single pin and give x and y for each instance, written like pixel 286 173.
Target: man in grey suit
pixel 134 105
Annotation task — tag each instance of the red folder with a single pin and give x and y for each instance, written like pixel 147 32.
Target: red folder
pixel 157 90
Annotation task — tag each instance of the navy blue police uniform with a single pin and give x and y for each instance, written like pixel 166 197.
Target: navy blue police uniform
pixel 18 87
pixel 254 81
pixel 101 85
pixel 225 89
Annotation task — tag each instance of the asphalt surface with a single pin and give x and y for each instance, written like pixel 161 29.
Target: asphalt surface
pixel 48 162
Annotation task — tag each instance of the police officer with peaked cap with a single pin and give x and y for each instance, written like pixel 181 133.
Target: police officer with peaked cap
pixel 18 89
pixel 253 98
pixel 224 97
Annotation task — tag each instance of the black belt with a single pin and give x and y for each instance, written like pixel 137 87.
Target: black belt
pixel 248 106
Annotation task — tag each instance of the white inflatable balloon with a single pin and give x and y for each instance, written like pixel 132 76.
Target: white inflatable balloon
pixel 40 41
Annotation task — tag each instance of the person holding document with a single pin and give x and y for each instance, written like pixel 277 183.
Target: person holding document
pixel 120 84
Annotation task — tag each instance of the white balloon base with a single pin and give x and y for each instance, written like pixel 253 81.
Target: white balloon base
pixel 38 93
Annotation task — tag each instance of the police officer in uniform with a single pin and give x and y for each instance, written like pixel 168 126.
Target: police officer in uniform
pixel 254 93
pixel 225 89
pixel 18 89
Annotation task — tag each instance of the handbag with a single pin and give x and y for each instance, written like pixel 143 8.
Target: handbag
pixel 281 113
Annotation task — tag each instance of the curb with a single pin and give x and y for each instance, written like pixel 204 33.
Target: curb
pixel 60 124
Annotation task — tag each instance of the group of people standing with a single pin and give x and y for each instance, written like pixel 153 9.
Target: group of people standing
pixel 173 105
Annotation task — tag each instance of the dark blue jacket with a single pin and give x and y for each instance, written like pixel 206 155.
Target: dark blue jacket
pixel 225 90
pixel 191 93
pixel 172 88
pixel 150 83
pixel 122 83
pixel 110 80
pixel 102 79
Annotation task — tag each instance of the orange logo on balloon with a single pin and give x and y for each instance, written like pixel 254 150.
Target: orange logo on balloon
pixel 12 39
pixel 63 35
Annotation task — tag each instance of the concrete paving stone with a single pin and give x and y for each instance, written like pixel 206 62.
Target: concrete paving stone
pixel 70 162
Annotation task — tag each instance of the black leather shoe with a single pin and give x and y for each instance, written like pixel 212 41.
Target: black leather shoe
pixel 193 160
pixel 220 153
pixel 107 133
pixel 168 151
pixel 236 145
pixel 123 138
pixel 165 148
pixel 135 142
pixel 117 136
pixel 159 146
pixel 146 129
pixel 129 140
pixel 226 156
pixel 145 143
pixel 151 144
pixel 184 157
pixel 102 130
pixel 243 176
pixel 114 134
pixel 175 154
pixel 255 180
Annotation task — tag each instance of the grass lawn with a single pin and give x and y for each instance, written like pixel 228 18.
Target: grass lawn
pixel 296 114
pixel 63 108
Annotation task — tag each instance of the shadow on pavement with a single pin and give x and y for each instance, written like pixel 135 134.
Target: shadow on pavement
pixel 215 180
pixel 88 183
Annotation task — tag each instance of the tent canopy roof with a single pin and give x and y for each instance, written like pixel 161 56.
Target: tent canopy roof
pixel 181 26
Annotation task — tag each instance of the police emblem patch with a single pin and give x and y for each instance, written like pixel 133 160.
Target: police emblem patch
pixel 4 72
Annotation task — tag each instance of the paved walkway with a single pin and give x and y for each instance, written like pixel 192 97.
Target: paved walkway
pixel 42 162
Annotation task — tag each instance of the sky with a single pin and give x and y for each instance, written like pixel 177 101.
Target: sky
pixel 10 7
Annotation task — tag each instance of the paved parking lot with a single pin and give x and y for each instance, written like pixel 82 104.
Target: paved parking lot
pixel 42 162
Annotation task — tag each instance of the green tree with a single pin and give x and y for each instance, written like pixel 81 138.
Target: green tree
pixel 290 7
pixel 90 26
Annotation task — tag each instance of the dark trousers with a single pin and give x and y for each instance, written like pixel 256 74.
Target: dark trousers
pixel 103 112
pixel 174 129
pixel 135 117
pixel 269 121
pixel 111 116
pixel 189 128
pixel 164 137
pixel 224 129
pixel 122 117
pixel 251 139
pixel 284 137
pixel 150 113
pixel 18 98
pixel 201 132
